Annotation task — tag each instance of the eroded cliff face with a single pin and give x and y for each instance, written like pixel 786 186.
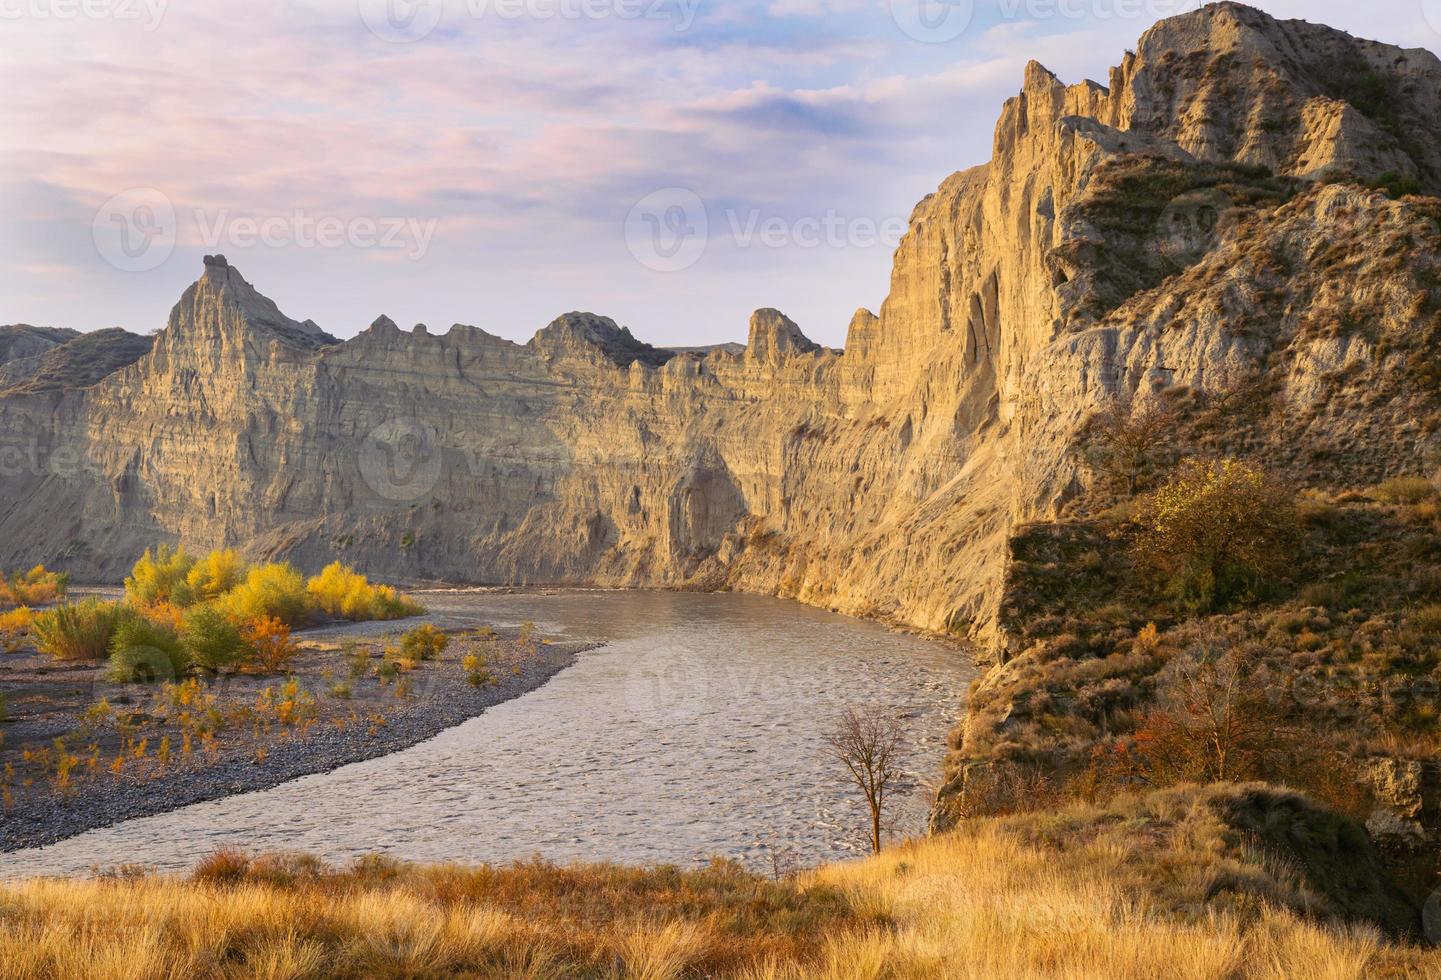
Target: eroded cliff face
pixel 1170 231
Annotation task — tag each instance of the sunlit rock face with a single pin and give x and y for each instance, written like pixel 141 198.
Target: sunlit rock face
pixel 1175 231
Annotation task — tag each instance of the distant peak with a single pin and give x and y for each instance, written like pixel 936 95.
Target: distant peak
pixel 582 332
pixel 773 335
pixel 1038 76
pixel 221 299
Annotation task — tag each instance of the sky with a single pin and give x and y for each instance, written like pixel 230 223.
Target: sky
pixel 673 164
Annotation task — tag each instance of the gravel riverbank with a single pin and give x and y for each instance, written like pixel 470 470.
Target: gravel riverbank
pixel 371 719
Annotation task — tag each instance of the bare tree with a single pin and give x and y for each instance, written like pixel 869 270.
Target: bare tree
pixel 867 741
pixel 1130 441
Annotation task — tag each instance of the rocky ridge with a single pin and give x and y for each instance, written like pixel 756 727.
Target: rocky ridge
pixel 1203 226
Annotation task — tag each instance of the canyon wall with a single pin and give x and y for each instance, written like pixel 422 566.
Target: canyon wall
pixel 1202 224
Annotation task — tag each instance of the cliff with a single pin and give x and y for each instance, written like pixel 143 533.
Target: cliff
pixel 1201 226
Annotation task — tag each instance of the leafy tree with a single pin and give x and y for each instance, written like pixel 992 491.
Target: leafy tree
pixel 1218 533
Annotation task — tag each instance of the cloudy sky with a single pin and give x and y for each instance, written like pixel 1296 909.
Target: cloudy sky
pixel 671 163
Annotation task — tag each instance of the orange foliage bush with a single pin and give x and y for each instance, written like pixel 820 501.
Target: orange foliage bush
pixel 37 587
pixel 270 644
pixel 164 613
pixel 13 626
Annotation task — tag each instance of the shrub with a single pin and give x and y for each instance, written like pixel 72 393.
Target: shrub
pixel 146 652
pixel 1216 723
pixel 211 639
pixel 1427 621
pixel 13 627
pixel 477 671
pixel 269 592
pixel 1405 490
pixel 226 866
pixel 1148 640
pixel 1352 591
pixel 269 644
pixel 164 613
pixel 161 577
pixel 1398 185
pixel 423 643
pixel 1218 532
pixel 340 590
pixel 216 574
pixel 358 660
pixel 37 587
pixel 81 631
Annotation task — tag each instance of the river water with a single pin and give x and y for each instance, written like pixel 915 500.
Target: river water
pixel 697 729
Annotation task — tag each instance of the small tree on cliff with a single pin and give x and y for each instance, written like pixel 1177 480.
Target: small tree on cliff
pixel 1218 532
pixel 1130 443
pixel 868 741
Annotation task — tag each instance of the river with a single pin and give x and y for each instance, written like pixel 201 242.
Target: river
pixel 696 730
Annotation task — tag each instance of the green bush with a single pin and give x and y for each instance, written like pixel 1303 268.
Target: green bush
pixel 143 651
pixel 1406 490
pixel 270 592
pixel 161 577
pixel 82 631
pixel 1218 533
pixel 1398 185
pixel 211 638
pixel 423 643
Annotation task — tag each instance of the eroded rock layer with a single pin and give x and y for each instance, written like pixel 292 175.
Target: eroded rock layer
pixel 1203 225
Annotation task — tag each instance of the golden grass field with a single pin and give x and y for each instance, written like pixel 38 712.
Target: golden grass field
pixel 989 900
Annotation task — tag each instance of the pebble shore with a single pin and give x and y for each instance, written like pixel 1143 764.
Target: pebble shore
pixel 447 701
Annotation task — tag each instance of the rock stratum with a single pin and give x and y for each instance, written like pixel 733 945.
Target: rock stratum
pixel 1204 225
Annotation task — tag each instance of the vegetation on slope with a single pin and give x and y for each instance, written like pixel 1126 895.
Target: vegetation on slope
pixel 1219 627
pixel 1166 886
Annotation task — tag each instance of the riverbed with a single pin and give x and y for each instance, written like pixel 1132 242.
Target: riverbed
pixel 695 729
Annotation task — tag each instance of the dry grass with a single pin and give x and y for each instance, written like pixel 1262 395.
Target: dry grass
pixel 984 904
pixel 987 901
